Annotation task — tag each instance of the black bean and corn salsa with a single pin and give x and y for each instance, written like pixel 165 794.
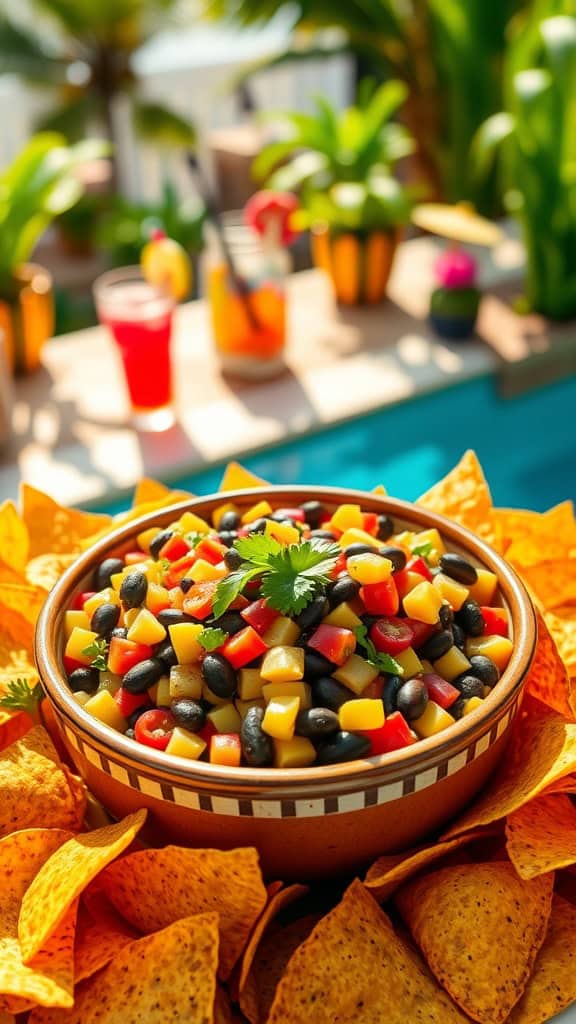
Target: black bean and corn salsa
pixel 287 637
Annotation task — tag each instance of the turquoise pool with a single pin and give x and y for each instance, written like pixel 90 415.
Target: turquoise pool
pixel 527 446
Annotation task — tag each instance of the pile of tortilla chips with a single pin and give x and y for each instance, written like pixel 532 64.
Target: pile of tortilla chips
pixel 478 925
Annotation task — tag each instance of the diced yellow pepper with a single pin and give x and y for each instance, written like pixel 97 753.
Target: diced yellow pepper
pixel 450 590
pixel 116 580
pixel 130 616
pixel 157 598
pixel 250 684
pixel 107 596
pixel 431 536
pixel 343 616
pixel 368 568
pixel 451 664
pixel 186 682
pixel 257 511
pixel 498 648
pixel 146 537
pixel 186 744
pixel 281 664
pixel 109 681
pixel 81 697
pixel 225 718
pixel 184 640
pixel 280 717
pixel 283 632
pixel 356 673
pixel 409 662
pixel 298 752
pixel 358 536
pixel 485 587
pixel 73 618
pixel 471 704
pixel 295 688
pixel 221 510
pixel 434 720
pixel 411 580
pixel 364 713
pixel 77 642
pixel 103 706
pixel 202 571
pixel 423 603
pixel 347 517
pixel 213 698
pixel 191 523
pixel 404 539
pixel 145 629
pixel 163 692
pixel 284 533
pixel 243 706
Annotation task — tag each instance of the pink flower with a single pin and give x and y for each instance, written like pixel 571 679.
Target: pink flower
pixel 455 268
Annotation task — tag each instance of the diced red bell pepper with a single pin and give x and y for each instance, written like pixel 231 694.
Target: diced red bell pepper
pixel 80 599
pixel 440 690
pixel 422 631
pixel 259 615
pixel 174 548
pixel 393 735
pixel 211 550
pixel 243 647
pixel 70 664
pixel 495 621
pixel 129 702
pixel 207 732
pixel 179 569
pixel 200 599
pixel 370 523
pixel 380 598
pixel 124 654
pixel 134 557
pixel 339 567
pixel 417 564
pixel 334 642
pixel 239 603
pixel 296 514
pixel 154 728
pixel 401 581
pixel 225 749
pixel 392 635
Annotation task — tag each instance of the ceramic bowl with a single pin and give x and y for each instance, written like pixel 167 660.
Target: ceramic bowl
pixel 310 822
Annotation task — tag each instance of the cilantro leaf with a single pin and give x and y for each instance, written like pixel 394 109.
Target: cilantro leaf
pixel 20 696
pixel 384 662
pixel 424 549
pixel 288 593
pixel 211 638
pixel 193 538
pixel 98 652
pixel 257 548
pixel 231 586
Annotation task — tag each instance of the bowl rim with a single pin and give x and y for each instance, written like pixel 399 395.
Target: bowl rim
pixel 305 781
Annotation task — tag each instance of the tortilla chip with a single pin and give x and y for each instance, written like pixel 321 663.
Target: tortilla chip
pixel 552 583
pixel 567 785
pixel 100 934
pixel 66 874
pixel 463 495
pixel 7 1018
pixel 14 539
pixel 269 963
pixel 237 478
pixel 224 1012
pixel 390 871
pixel 354 967
pixel 542 835
pixel 49 979
pixel 45 570
pixel 54 528
pixel 280 899
pixel 533 537
pixel 23 598
pixel 35 788
pixel 152 490
pixel 562 628
pixel 480 928
pixel 548 679
pixel 165 977
pixel 17 649
pixel 153 888
pixel 552 985
pixel 542 750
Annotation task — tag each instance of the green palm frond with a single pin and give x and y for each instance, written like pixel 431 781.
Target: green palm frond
pixel 24 53
pixel 158 124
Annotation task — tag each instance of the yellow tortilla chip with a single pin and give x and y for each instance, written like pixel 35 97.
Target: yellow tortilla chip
pixel 49 978
pixel 153 888
pixel 16 649
pixel 463 495
pixel 52 527
pixel 552 583
pixel 66 874
pixel 14 539
pixel 271 957
pixel 280 899
pixel 100 934
pixel 7 1018
pixel 237 478
pixel 45 570
pixel 562 626
pixel 153 491
pixel 542 750
pixel 533 537
pixel 548 679
pixel 353 967
pixel 23 598
pixel 35 788
pixel 166 977
pixel 552 984
pixel 480 928
pixel 541 836
pixel 224 1012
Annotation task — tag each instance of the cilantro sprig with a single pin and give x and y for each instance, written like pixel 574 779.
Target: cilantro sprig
pixel 97 651
pixel 20 696
pixel 211 638
pixel 291 574
pixel 424 549
pixel 384 662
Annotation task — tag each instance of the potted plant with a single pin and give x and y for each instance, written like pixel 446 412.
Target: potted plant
pixel 342 165
pixel 40 184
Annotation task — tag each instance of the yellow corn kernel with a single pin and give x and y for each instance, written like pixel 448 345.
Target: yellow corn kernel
pixel 485 587
pixel 343 616
pixel 451 664
pixel 280 717
pixel 163 693
pixel 281 664
pixel 471 704
pixel 450 590
pixel 498 648
pixel 358 536
pixel 364 713
pixel 347 517
pixel 107 596
pixel 298 752
pixel 77 642
pixel 146 537
pixel 243 706
pixel 221 510
pixel 103 706
pixel 73 618
pixel 225 718
pixel 356 673
pixel 186 744
pixel 434 720
pixel 283 632
pixel 109 681
pixel 191 523
pixel 367 568
pixel 284 533
pixel 257 511
pixel 295 688
pixel 202 571
pixel 409 662
pixel 186 682
pixel 116 580
pixel 423 603
pixel 145 629
pixel 250 684
pixel 184 640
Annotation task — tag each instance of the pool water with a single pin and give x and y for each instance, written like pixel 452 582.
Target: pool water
pixel 527 446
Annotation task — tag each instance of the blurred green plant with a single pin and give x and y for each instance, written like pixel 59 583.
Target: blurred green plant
pixel 342 164
pixel 448 52
pixel 537 137
pixel 88 62
pixel 41 183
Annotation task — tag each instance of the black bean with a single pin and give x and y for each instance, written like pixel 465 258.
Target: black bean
pixel 412 699
pixel 470 618
pixel 86 679
pixel 313 613
pixel 258 526
pixel 230 622
pixel 229 520
pixel 360 549
pixel 457 708
pixel 189 714
pixel 446 616
pixel 314 722
pixel 219 674
pixel 343 589
pixel 314 511
pixel 228 537
pixel 143 675
pixel 392 687
pixel 121 632
pixel 329 693
pixel 323 534
pixel 166 654
pixel 281 517
pixel 109 567
pixel 134 589
pixel 458 568
pixel 395 555
pixel 385 527
pixel 459 636
pixel 185 584
pixel 105 619
pixel 257 747
pixel 315 666
pixel 158 542
pixel 484 669
pixel 173 617
pixel 436 645
pixel 468 686
pixel 343 746
pixel 232 559
pixel 135 715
